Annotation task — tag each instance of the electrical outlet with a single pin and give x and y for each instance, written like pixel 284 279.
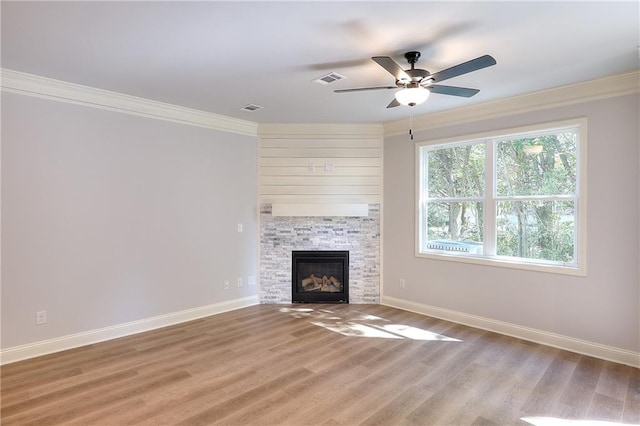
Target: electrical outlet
pixel 402 283
pixel 41 317
pixel 226 284
pixel 239 282
pixel 251 281
pixel 239 227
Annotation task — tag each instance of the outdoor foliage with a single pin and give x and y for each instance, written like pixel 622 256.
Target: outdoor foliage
pixel 541 166
pixel 535 181
pixel 454 173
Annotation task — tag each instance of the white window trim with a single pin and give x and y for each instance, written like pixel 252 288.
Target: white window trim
pixel 506 262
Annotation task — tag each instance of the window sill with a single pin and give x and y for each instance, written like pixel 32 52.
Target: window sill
pixel 504 262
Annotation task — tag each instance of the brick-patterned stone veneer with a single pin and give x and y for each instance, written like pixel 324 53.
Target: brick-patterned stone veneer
pixel 280 235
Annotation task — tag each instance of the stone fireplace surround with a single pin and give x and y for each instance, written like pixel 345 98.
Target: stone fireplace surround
pixel 280 235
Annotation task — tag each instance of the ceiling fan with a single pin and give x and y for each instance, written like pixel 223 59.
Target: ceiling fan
pixel 416 84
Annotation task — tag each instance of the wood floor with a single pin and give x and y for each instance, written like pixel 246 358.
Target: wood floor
pixel 317 365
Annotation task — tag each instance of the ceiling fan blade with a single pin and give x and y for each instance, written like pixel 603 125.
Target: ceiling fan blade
pixel 392 67
pixel 463 68
pixel 465 92
pixel 362 89
pixel 394 103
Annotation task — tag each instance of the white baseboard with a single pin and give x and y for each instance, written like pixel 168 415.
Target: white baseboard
pixel 32 350
pixel 584 347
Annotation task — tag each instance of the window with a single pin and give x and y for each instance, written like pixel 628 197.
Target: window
pixel 514 198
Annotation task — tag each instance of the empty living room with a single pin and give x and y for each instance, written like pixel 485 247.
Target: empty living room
pixel 320 213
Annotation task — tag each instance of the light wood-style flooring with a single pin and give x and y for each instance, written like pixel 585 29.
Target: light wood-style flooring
pixel 317 365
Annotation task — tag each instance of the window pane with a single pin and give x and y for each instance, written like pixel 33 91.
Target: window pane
pixel 541 230
pixel 456 172
pixel 454 227
pixel 543 165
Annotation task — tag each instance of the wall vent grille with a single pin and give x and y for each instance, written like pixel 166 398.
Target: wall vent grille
pixel 251 108
pixel 332 77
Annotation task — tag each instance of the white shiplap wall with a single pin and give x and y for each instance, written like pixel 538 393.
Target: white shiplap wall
pixel 320 163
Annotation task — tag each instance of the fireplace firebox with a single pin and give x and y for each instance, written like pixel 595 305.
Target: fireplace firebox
pixel 320 276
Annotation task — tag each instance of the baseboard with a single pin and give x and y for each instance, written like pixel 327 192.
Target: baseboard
pixel 32 350
pixel 584 347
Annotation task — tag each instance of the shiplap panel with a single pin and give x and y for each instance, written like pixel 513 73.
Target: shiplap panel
pixel 333 198
pixel 321 152
pixel 320 162
pixel 320 130
pixel 320 190
pixel 320 171
pixel 326 180
pixel 321 143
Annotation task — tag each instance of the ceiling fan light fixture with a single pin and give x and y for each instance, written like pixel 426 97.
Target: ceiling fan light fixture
pixel 412 96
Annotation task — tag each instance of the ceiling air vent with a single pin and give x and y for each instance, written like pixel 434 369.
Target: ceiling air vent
pixel 329 78
pixel 251 108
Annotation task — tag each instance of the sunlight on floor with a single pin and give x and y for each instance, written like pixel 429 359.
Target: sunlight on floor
pixel 357 324
pixel 555 421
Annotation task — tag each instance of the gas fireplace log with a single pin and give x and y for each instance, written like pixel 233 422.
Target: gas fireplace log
pixel 327 284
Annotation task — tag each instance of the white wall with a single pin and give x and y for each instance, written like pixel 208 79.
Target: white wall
pixel 602 307
pixel 109 218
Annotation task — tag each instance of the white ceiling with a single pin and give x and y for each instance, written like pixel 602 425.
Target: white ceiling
pixel 220 56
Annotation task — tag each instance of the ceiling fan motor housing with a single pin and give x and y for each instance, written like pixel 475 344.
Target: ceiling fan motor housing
pixel 418 77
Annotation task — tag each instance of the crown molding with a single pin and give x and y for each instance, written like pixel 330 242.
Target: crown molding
pixel 617 85
pixel 338 130
pixel 47 88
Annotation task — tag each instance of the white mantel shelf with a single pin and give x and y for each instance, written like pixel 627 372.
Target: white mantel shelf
pixel 319 210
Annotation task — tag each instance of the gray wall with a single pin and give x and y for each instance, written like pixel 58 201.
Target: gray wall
pixel 602 307
pixel 109 218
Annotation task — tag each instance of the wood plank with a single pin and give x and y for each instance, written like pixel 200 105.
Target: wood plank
pixel 266 190
pixel 605 408
pixel 578 394
pixel 610 379
pixel 319 170
pixel 550 386
pixel 332 198
pixel 321 143
pixel 632 401
pixel 320 162
pixel 271 364
pixel 314 130
pixel 503 406
pixel 251 396
pixel 314 153
pixel 320 181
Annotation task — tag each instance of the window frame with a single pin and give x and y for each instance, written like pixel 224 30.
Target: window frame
pixel 491 198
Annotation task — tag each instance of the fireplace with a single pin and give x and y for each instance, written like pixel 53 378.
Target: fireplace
pixel 320 276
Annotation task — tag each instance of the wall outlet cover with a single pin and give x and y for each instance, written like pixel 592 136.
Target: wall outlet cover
pixel 41 317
